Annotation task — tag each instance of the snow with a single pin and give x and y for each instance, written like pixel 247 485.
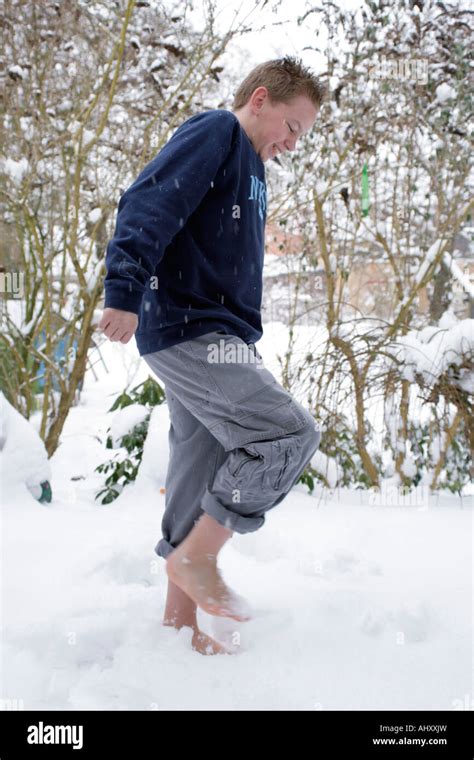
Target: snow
pixel 17 71
pixel 27 126
pixel 326 467
pixel 159 61
pixel 433 349
pixel 444 92
pixel 124 420
pixel 87 136
pixel 358 603
pixel 16 170
pixel 23 457
pixel 92 276
pixel 409 467
pixel 275 266
pixel 460 277
pixel 431 255
pixel 94 215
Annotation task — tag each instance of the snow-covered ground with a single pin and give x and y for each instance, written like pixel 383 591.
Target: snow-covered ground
pixel 357 606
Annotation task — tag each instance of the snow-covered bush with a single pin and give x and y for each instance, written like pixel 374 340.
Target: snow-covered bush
pixel 127 433
pixel 436 363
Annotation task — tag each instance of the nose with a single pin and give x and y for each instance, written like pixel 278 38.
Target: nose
pixel 291 144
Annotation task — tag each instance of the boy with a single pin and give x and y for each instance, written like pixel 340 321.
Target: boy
pixel 185 268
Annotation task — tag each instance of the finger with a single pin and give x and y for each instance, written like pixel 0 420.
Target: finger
pixel 106 317
pixel 114 333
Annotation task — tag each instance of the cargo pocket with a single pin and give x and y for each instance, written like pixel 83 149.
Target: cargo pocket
pixel 288 462
pixel 248 465
pixel 288 451
pixel 267 468
pixel 244 461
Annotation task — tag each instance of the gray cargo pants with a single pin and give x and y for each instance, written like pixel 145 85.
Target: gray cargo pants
pixel 238 440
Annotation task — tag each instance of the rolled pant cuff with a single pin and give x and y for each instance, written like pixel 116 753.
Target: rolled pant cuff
pixel 163 548
pixel 227 518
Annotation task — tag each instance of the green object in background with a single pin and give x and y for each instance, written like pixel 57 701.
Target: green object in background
pixel 365 191
pixel 42 492
pixel 46 492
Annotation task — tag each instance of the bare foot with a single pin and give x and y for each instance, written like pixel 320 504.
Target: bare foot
pixel 206 645
pixel 202 581
pixel 200 642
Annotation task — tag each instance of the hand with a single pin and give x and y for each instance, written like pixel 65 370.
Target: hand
pixel 118 325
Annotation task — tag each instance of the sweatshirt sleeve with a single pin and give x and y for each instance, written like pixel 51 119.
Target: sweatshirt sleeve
pixel 158 203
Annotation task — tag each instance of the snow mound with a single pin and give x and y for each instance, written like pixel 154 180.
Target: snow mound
pixel 23 457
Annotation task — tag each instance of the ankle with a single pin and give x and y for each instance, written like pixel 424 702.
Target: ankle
pixel 183 558
pixel 174 621
pixel 205 540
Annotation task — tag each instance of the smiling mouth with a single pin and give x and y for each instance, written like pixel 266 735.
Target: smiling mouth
pixel 273 152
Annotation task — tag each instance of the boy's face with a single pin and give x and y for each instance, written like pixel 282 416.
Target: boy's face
pixel 275 128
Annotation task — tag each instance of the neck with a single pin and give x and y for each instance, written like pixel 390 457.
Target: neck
pixel 247 125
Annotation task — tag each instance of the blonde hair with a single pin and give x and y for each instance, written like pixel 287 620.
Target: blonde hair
pixel 285 79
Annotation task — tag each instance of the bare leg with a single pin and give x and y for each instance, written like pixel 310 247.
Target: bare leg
pixel 181 611
pixel 192 566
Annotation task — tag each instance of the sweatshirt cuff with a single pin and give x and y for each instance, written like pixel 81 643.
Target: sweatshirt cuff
pixel 125 300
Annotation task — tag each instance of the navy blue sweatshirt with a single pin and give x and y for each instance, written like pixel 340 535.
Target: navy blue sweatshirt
pixel 187 252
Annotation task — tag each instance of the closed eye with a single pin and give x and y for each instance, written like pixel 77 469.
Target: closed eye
pixel 291 130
